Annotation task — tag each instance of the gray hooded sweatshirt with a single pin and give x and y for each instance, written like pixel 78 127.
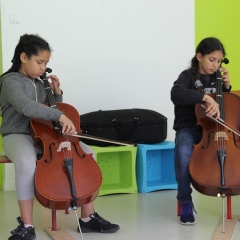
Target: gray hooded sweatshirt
pixel 22 99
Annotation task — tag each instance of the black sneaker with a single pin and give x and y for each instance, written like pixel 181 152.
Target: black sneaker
pixel 97 224
pixel 22 233
pixel 186 216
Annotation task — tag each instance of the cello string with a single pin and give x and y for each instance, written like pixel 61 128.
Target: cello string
pixel 219 99
pixel 66 152
pixel 220 102
pixel 53 104
pixel 222 133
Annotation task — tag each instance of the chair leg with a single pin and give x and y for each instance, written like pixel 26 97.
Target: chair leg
pixel 229 208
pixel 57 232
pixel 179 207
pixel 54 220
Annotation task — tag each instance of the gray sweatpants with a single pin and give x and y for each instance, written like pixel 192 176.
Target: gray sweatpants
pixel 20 149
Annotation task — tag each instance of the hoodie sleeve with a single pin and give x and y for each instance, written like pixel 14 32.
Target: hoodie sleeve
pixel 14 94
pixel 183 91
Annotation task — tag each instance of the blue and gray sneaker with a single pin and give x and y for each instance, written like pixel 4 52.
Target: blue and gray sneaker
pixel 186 216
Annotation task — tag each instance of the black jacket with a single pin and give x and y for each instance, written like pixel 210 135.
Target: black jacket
pixel 185 95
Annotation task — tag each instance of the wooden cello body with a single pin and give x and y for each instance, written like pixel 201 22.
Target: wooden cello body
pixel 65 176
pixel 215 162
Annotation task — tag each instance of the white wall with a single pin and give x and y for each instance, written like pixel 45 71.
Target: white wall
pixel 109 54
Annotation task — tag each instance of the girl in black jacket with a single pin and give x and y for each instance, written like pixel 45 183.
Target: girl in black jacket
pixel 192 87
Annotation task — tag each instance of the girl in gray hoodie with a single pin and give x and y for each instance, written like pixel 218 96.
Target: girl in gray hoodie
pixel 22 95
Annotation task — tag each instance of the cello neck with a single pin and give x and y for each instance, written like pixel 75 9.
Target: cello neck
pixel 50 97
pixel 219 94
pixel 48 90
pixel 49 93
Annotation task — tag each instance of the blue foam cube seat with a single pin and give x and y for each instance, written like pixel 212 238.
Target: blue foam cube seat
pixel 155 167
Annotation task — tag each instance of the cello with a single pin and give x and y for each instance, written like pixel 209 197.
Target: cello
pixel 65 176
pixel 215 161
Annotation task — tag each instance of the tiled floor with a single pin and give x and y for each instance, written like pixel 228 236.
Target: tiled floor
pixel 150 216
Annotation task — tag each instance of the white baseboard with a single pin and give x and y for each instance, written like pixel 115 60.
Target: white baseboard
pixel 8 186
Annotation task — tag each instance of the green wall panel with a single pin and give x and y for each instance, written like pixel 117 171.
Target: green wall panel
pixel 221 19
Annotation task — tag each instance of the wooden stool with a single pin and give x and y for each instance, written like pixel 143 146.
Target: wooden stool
pixel 4 159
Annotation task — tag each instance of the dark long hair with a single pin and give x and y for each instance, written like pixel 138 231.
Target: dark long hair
pixel 206 46
pixel 30 44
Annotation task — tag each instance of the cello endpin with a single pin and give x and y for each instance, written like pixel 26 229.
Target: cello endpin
pixel 221 195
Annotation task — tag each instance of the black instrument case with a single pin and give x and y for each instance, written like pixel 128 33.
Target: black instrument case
pixel 125 125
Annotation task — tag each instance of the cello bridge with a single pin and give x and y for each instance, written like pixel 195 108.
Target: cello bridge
pixel 221 136
pixel 63 145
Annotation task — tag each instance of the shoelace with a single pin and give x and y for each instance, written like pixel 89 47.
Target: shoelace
pixel 19 226
pixel 15 230
pixel 188 208
pixel 99 220
pixel 20 230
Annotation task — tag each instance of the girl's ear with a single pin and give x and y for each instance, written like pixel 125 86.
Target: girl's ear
pixel 23 57
pixel 199 57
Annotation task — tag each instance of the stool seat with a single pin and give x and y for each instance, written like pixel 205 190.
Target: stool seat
pixel 4 159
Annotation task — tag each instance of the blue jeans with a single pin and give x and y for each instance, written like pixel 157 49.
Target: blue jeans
pixel 184 141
